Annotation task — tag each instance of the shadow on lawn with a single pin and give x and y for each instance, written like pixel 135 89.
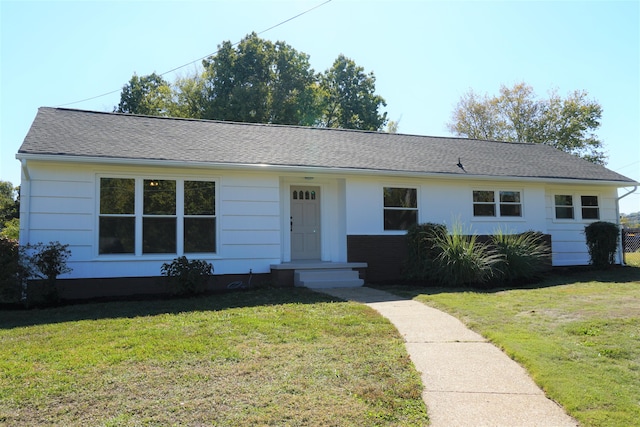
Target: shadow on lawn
pixel 150 306
pixel 558 277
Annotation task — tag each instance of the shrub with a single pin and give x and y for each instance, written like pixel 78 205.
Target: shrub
pixel 602 241
pixel 189 277
pixel 523 256
pixel 422 250
pixel 463 260
pixel 10 283
pixel 47 262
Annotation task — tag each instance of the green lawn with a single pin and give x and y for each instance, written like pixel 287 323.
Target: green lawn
pixel 632 259
pixel 261 357
pixel 577 335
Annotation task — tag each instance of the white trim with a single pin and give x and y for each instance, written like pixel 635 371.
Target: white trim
pixel 314 169
pixel 497 203
pixel 139 216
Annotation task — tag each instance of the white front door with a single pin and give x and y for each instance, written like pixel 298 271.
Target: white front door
pixel 305 222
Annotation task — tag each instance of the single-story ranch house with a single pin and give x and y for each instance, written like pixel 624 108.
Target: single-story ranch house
pixel 128 193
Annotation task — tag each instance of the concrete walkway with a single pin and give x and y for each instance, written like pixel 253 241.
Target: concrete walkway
pixel 467 380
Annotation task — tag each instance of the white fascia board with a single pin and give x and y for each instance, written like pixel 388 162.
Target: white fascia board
pixel 312 169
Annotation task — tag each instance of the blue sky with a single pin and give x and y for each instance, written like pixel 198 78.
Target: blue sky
pixel 425 55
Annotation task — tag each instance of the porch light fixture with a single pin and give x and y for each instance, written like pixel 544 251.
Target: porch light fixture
pixel 153 183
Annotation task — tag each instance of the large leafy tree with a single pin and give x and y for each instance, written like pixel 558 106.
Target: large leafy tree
pixel 148 95
pixel 517 115
pixel 349 99
pixel 262 82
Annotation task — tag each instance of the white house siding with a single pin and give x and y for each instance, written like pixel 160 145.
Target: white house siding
pixel 249 216
pixel 567 236
pixel 441 201
pixel 60 203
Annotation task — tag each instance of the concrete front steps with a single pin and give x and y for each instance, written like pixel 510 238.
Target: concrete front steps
pixel 319 274
pixel 327 278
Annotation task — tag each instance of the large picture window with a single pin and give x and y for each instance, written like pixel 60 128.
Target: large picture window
pixel 400 208
pixel 492 203
pixel 170 216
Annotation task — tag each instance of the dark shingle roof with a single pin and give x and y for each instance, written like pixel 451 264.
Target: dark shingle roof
pixel 57 131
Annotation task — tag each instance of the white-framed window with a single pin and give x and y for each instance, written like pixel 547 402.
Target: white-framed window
pixel 590 208
pixel 140 216
pixel 400 207
pixel 566 207
pixel 497 203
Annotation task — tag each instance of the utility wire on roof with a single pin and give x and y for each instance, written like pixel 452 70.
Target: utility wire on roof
pixel 206 56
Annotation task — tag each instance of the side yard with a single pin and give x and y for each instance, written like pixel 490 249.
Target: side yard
pixel 260 357
pixel 578 335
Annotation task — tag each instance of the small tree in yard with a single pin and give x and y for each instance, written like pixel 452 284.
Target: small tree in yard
pixel 602 241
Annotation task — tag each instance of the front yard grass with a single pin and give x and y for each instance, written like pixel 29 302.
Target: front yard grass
pixel 577 335
pixel 261 357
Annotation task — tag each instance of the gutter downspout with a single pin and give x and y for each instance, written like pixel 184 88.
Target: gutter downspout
pixel 620 244
pixel 25 204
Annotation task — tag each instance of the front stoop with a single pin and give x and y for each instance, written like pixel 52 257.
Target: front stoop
pixel 327 278
pixel 319 274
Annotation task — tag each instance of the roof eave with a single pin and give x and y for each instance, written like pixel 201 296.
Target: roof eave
pixel 310 169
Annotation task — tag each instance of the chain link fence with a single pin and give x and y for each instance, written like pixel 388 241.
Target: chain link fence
pixel 631 245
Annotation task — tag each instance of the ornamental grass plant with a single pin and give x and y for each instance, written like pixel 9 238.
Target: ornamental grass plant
pixel 524 256
pixel 463 260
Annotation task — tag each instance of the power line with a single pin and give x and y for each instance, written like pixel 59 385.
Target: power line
pixel 206 56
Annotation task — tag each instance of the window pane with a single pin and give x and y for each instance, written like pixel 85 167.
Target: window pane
pixel 589 200
pixel 399 219
pixel 484 210
pixel 117 196
pixel 590 213
pixel 199 235
pixel 510 210
pixel 483 196
pixel 510 196
pixel 159 235
pixel 563 200
pixel 117 235
pixel 159 197
pixel 400 197
pixel 199 198
pixel 564 212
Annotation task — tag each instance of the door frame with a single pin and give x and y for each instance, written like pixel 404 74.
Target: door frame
pixel 318 234
pixel 286 215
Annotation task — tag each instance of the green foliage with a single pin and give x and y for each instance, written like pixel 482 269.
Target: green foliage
pixel 190 277
pixel 38 261
pixel 11 229
pixel 9 206
pixel 602 241
pixel 47 262
pixel 422 250
pixel 10 283
pixel 147 95
pixel 524 256
pixel 463 260
pixel 259 81
pixel 517 115
pixel 349 100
